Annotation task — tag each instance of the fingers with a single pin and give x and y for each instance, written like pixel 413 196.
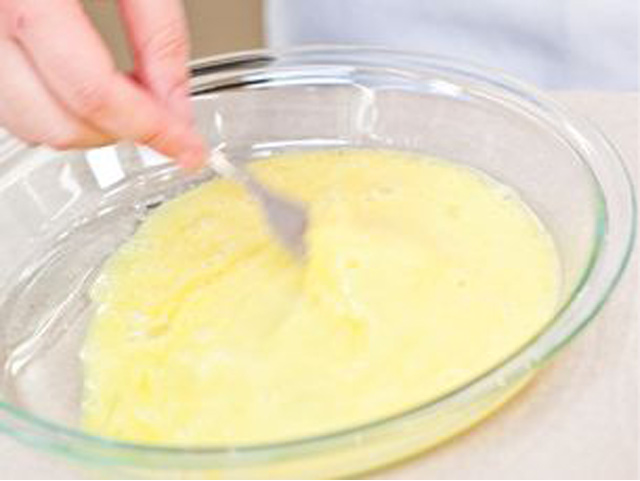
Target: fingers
pixel 160 44
pixel 31 113
pixel 77 68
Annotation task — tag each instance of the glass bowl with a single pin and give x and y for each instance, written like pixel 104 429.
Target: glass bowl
pixel 62 213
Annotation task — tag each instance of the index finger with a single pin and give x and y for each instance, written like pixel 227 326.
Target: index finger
pixel 76 66
pixel 160 42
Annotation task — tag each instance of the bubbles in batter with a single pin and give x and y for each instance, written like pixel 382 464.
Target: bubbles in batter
pixel 421 275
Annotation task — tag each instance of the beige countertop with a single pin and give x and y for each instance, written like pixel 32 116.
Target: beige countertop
pixel 578 419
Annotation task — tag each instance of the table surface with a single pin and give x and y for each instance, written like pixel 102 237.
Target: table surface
pixel 578 419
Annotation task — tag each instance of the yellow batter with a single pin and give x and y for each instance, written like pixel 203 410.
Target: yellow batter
pixel 421 275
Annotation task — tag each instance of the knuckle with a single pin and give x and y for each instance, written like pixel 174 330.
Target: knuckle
pixel 63 139
pixel 19 17
pixel 155 136
pixel 167 43
pixel 91 98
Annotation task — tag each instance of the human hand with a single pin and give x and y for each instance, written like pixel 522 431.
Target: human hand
pixel 59 85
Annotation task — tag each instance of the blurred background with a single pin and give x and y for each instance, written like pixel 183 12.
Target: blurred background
pixel 556 44
pixel 216 26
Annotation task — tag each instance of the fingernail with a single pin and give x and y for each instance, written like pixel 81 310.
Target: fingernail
pixel 192 159
pixel 190 162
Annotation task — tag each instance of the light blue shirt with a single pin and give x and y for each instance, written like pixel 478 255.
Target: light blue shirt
pixel 558 44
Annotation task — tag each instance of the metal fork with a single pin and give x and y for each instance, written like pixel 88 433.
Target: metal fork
pixel 287 218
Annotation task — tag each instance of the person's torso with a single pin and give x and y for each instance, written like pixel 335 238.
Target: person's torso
pixel 553 43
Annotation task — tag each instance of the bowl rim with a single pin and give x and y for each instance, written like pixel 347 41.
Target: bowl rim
pixel 587 141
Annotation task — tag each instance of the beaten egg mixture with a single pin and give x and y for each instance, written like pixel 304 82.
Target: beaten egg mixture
pixel 420 275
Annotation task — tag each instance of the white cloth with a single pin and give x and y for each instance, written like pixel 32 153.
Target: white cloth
pixel 557 44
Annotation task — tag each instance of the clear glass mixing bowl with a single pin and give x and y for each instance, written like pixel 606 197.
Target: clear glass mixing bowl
pixel 61 214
